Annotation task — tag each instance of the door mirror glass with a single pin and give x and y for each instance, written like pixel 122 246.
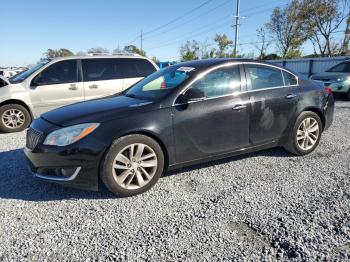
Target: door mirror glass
pixel 194 94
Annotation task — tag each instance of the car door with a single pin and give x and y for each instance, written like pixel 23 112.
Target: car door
pixel 56 86
pixel 273 95
pixel 102 77
pixel 217 124
pixel 135 69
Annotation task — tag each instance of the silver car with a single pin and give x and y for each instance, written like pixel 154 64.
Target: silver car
pixel 62 81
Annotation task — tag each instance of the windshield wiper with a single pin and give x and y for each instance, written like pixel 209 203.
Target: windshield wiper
pixel 131 95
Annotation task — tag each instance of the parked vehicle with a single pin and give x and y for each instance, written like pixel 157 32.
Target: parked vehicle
pixel 9 72
pixel 188 113
pixel 62 81
pixel 337 78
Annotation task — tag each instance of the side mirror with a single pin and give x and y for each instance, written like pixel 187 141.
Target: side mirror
pixel 194 94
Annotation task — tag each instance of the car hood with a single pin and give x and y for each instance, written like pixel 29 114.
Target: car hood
pixel 329 75
pixel 98 111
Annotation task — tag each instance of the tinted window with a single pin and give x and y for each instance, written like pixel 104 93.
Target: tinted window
pixel 24 74
pixel 101 69
pixel 289 79
pixel 341 68
pixel 220 82
pixel 3 83
pixel 264 77
pixel 1 73
pixel 58 73
pixel 134 67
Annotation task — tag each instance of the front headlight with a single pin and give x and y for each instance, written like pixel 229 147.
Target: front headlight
pixel 69 135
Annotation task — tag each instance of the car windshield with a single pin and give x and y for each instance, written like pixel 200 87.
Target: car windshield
pixel 340 68
pixel 23 75
pixel 161 83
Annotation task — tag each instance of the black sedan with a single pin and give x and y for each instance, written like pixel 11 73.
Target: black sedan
pixel 185 114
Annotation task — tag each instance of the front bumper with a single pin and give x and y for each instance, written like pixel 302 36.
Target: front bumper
pixel 76 165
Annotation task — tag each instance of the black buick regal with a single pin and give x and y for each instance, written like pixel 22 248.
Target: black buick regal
pixel 185 114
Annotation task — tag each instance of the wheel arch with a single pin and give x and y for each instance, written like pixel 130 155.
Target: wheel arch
pixel 318 112
pixel 145 133
pixel 18 102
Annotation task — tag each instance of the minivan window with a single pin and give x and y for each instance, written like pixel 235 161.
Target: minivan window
pixel 101 69
pixel 289 79
pixel 59 73
pixel 220 82
pixel 159 84
pixel 25 74
pixel 264 76
pixel 135 67
pixel 3 83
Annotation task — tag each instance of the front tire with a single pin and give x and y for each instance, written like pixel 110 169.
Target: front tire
pixel 133 165
pixel 305 135
pixel 14 118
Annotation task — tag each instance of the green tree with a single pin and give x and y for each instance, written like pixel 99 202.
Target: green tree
pixel 287 28
pixel 323 18
pixel 51 53
pixel 223 44
pixel 134 50
pixel 189 51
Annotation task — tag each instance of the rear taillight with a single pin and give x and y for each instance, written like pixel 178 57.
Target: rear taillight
pixel 328 90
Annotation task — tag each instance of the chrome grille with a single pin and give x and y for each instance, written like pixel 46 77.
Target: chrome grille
pixel 33 138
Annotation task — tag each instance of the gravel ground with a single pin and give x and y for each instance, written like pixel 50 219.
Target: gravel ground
pixel 264 206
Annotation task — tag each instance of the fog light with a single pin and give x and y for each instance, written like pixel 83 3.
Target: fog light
pixel 64 171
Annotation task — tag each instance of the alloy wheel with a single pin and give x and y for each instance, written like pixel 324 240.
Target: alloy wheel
pixel 13 118
pixel 134 166
pixel 308 133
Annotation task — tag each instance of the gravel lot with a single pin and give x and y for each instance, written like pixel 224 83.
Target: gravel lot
pixel 262 206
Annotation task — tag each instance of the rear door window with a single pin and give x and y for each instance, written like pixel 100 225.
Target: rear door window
pixel 101 69
pixel 262 77
pixel 289 79
pixel 135 67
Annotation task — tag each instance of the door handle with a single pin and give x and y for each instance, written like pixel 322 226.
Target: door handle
pixel 290 96
pixel 93 86
pixel 73 87
pixel 239 107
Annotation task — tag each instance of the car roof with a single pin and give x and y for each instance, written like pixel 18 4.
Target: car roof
pixel 204 63
pixel 98 56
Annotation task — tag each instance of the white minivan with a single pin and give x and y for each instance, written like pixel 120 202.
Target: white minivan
pixel 62 81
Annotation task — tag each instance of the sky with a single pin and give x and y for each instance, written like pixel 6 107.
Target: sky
pixel 29 28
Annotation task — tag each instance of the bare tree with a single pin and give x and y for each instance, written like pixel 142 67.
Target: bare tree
pixel 287 28
pixel 323 18
pixel 263 42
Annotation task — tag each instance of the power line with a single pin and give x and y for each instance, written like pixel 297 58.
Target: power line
pixel 176 41
pixel 191 20
pixel 179 17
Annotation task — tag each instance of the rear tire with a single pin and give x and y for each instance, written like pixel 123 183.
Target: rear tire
pixel 14 118
pixel 133 165
pixel 306 134
pixel 348 95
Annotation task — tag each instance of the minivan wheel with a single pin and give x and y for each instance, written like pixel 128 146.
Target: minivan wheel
pixel 14 118
pixel 305 135
pixel 132 165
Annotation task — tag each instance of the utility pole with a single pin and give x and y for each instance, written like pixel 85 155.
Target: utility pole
pixel 236 27
pixel 141 40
